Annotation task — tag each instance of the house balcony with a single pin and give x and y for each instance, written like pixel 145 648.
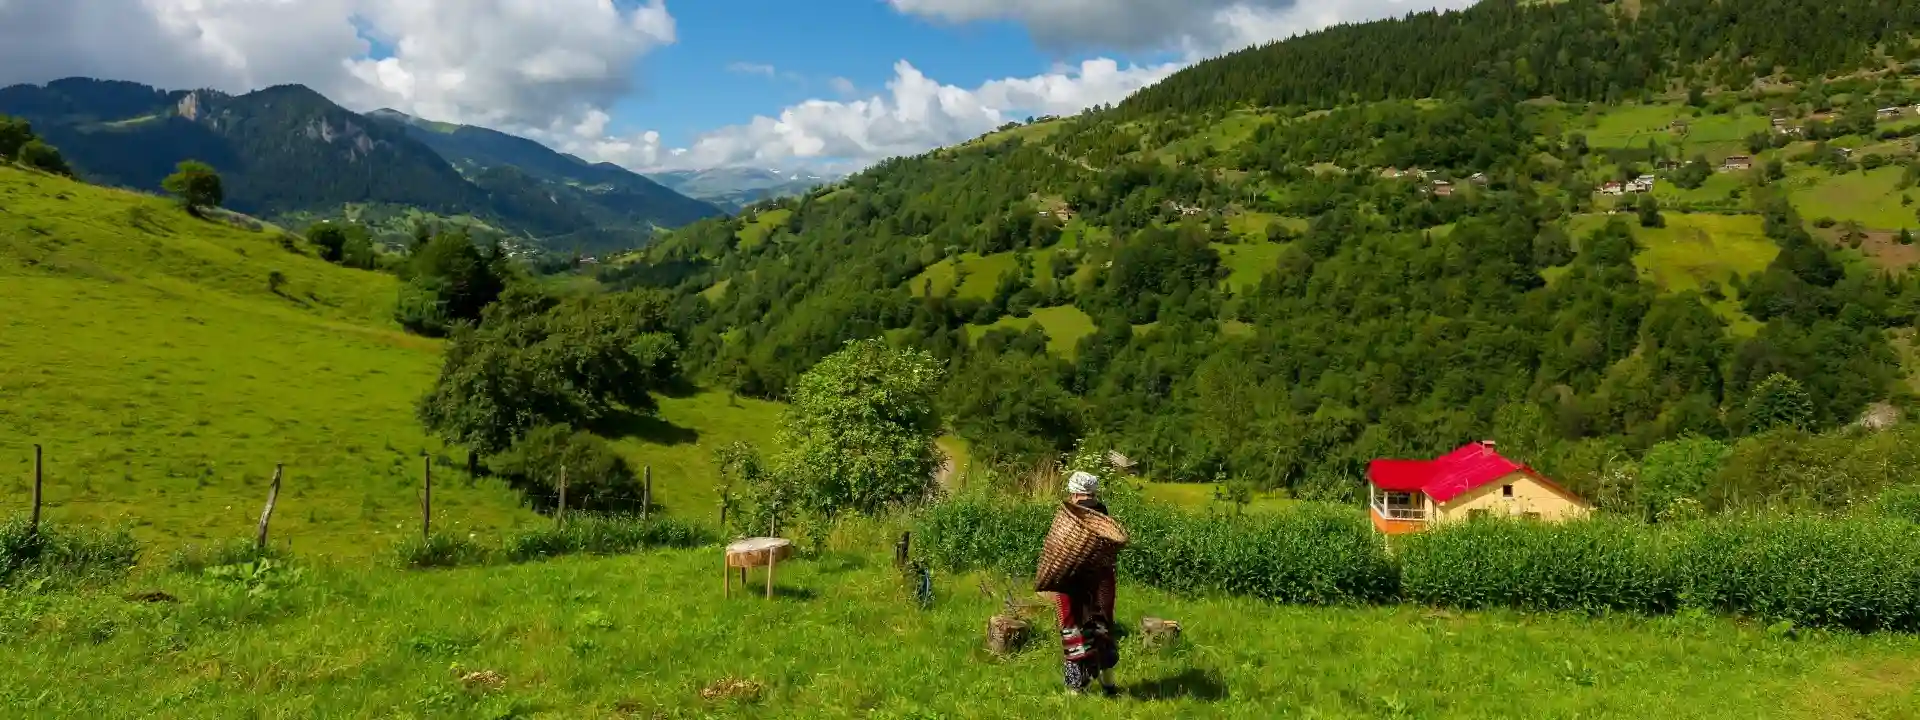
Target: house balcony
pixel 1396 519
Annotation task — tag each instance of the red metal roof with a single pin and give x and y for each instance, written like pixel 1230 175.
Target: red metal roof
pixel 1448 476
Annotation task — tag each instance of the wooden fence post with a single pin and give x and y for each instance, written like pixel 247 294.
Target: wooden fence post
pixel 646 492
pixel 33 523
pixel 900 551
pixel 560 513
pixel 426 503
pixel 273 495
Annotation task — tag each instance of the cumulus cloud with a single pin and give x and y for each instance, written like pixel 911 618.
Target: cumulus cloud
pixel 1198 27
pixel 549 69
pixel 747 68
pixel 502 63
pixel 916 114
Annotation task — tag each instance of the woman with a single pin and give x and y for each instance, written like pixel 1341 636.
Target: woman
pixel 1086 606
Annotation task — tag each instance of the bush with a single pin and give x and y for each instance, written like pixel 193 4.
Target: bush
pixel 64 554
pixel 1591 566
pixel 236 551
pixel 41 156
pixel 440 551
pixel 598 479
pixel 603 535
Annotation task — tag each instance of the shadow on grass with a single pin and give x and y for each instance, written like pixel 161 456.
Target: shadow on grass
pixel 628 424
pixel 756 589
pixel 679 388
pixel 1202 685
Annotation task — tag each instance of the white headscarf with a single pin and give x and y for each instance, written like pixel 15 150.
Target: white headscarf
pixel 1083 483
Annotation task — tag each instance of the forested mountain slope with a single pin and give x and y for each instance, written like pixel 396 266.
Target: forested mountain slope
pixel 1282 263
pixel 289 153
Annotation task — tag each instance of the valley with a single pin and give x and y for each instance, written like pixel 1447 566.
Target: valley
pixel 1326 318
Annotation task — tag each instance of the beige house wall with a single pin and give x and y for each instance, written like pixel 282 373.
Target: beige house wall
pixel 1530 495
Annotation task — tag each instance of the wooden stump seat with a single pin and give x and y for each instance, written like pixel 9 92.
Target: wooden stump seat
pixel 751 553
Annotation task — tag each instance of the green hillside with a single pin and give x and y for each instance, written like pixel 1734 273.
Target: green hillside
pixel 165 375
pixel 1391 235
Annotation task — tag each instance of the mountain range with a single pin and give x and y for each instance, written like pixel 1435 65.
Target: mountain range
pixel 291 155
pixel 735 188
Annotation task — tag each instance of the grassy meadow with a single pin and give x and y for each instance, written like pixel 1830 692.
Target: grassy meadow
pixel 1065 325
pixel 650 636
pixel 1870 198
pixel 147 353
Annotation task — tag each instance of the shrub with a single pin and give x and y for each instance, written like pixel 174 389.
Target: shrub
pixel 236 551
pixel 603 535
pixel 64 554
pixel 439 551
pixel 598 479
pixel 41 156
pixel 1900 502
pixel 1591 566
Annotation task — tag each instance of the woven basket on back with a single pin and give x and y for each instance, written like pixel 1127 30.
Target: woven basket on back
pixel 1080 538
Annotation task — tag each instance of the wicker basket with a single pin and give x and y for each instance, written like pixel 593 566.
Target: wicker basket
pixel 1081 538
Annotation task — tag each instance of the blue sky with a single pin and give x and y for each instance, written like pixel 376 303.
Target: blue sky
pixel 715 74
pixel 672 84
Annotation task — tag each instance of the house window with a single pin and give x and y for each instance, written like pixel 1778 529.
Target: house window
pixel 1506 491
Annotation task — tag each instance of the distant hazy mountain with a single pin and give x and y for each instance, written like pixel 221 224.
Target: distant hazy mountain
pixel 735 188
pixel 289 152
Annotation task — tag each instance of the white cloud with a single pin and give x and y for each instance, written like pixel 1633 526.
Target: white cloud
pixel 1199 27
pixel 915 115
pixel 747 68
pixel 550 69
pixel 503 63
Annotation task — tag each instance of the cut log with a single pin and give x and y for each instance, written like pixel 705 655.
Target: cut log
pixel 1006 634
pixel 758 552
pixel 1156 632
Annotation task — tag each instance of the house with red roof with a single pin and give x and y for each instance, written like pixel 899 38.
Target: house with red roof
pixel 1411 495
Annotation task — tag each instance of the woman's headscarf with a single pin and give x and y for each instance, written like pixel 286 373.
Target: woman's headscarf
pixel 1083 483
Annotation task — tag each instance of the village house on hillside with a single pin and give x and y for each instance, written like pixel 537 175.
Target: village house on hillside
pixel 1473 481
pixel 1737 162
pixel 1612 188
pixel 1890 113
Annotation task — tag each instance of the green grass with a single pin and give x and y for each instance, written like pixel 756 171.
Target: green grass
pixel 1253 225
pixel 983 274
pixel 679 446
pixel 643 636
pixel 1229 133
pixel 761 227
pixel 143 349
pixel 1248 262
pixel 1717 190
pixel 1870 198
pixel 1199 496
pixel 1695 249
pixel 1065 325
pixel 1631 126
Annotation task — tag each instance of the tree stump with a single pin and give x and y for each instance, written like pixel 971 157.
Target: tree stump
pixel 1155 632
pixel 754 552
pixel 1006 634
